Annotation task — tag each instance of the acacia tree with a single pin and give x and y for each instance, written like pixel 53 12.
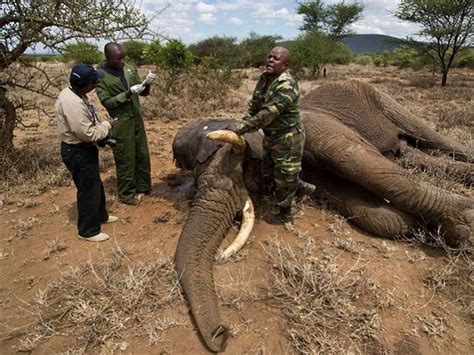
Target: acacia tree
pixel 224 50
pixel 256 47
pixel 333 20
pixel 174 57
pixel 447 25
pixel 50 24
pixel 326 25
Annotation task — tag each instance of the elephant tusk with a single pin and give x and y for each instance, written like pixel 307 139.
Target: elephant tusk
pixel 248 220
pixel 237 142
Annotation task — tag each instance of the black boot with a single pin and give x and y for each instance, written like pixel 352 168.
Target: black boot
pixel 305 188
pixel 282 217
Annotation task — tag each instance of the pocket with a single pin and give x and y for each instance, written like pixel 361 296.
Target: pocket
pixel 67 156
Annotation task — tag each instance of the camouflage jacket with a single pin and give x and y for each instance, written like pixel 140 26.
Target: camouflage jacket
pixel 275 110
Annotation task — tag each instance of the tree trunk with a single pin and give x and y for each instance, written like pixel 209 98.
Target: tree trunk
pixel 7 123
pixel 444 80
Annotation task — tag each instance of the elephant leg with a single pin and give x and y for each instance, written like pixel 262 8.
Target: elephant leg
pixel 460 172
pixel 345 153
pixel 363 208
pixel 420 134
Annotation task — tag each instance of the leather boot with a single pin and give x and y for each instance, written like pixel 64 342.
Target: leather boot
pixel 305 188
pixel 282 217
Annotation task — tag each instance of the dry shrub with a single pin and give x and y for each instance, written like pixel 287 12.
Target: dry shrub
pixel 95 305
pixel 423 81
pixel 199 92
pixel 37 167
pixel 331 307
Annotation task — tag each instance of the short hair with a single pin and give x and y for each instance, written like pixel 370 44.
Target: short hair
pixel 109 46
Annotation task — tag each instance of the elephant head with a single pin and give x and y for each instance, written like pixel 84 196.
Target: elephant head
pixel 222 192
pixel 350 130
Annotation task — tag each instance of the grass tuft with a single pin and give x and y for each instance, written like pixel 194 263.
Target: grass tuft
pixel 331 307
pixel 94 306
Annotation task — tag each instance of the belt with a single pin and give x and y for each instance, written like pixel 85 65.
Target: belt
pixel 81 144
pixel 280 132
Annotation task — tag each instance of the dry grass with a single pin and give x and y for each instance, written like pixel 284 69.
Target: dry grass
pixel 331 307
pixel 456 281
pixel 33 169
pixel 94 306
pixel 200 92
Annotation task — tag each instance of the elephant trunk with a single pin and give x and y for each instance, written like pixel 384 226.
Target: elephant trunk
pixel 217 202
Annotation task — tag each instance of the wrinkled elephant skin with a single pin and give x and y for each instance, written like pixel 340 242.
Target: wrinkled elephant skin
pixel 353 133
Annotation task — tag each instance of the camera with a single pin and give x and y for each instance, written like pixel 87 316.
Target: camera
pixel 109 140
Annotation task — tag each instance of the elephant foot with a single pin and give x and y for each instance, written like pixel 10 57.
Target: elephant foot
pixel 459 230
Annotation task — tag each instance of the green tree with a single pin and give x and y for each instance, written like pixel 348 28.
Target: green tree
pixel 256 47
pixel 447 25
pixel 325 24
pixel 333 20
pixel 314 50
pixel 151 50
pixel 224 49
pixel 50 24
pixel 465 59
pixel 174 57
pixel 134 51
pixel 82 52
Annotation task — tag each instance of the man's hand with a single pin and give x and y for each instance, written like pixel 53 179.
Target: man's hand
pixel 111 120
pixel 136 89
pixel 150 78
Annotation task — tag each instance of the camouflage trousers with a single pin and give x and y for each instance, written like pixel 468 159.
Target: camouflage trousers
pixel 282 156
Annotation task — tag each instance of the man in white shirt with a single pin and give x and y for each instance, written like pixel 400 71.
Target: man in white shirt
pixel 80 130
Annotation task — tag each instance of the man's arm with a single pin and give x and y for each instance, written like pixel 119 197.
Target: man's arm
pixel 107 99
pixel 80 121
pixel 284 96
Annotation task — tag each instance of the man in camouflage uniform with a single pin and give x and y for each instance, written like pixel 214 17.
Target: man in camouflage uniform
pixel 118 92
pixel 274 107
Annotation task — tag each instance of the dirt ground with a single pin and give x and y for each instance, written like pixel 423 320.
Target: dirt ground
pixel 404 302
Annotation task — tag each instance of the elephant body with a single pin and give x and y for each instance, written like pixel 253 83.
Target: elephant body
pixel 352 134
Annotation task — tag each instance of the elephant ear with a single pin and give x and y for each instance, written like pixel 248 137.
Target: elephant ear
pixel 191 146
pixel 254 144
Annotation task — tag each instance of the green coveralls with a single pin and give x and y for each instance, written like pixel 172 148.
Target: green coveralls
pixel 276 110
pixel 132 159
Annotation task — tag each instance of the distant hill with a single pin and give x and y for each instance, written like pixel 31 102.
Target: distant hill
pixel 371 43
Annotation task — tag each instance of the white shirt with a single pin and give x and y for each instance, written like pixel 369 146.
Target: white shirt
pixel 76 121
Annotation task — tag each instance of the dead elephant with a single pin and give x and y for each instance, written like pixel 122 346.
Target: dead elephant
pixel 351 131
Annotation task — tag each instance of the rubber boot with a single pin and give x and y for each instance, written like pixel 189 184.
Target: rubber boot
pixel 282 217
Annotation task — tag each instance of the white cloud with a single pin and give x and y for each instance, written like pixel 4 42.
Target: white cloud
pixel 206 8
pixel 207 18
pixel 235 21
pixel 186 18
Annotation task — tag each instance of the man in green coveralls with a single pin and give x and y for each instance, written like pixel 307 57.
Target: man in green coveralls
pixel 274 107
pixel 118 92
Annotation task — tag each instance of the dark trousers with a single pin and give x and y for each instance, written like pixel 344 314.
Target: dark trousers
pixel 132 158
pixel 83 163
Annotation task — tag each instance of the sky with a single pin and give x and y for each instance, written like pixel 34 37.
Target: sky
pixel 195 20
